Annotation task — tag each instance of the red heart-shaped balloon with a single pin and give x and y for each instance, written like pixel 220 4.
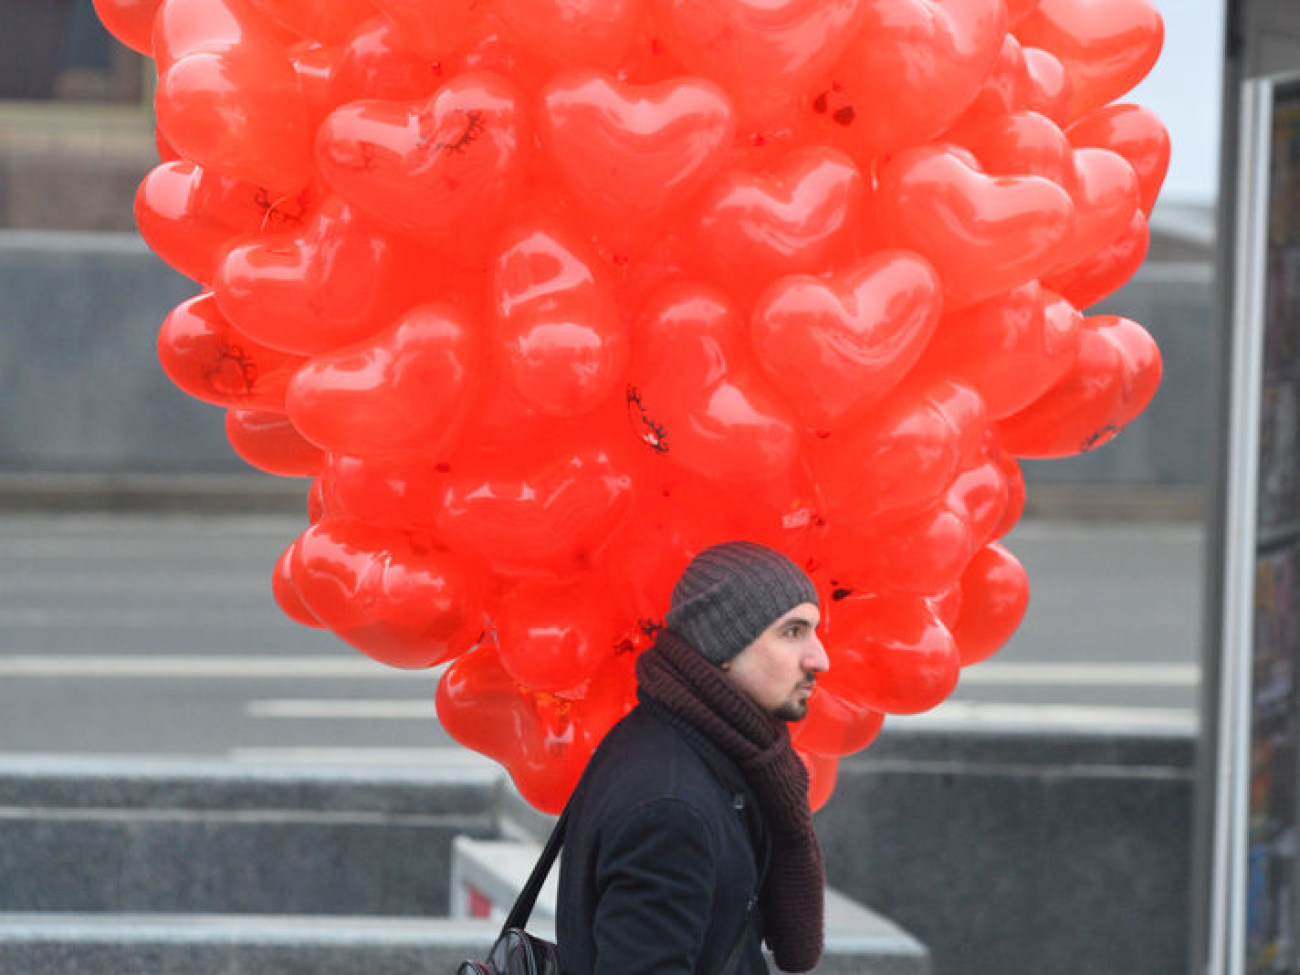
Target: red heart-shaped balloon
pixel 695 397
pixel 239 112
pixel 202 354
pixel 994 597
pixel 543 740
pixel 1107 269
pixel 187 215
pixel 391 594
pixel 433 30
pixel 270 442
pixel 1105 46
pixel 1115 376
pixel 1004 90
pixel 542 522
pixel 789 219
pixel 1049 85
pixel 920 554
pixel 376 63
pixel 130 21
pixel 902 457
pixel 329 283
pixel 384 492
pixel 590 32
pixel 835 346
pixel 768 50
pixel 329 21
pixel 1010 349
pixel 286 597
pixel 1019 144
pixel 554 636
pixel 1106 198
pixel 561 336
pixel 910 71
pixel 404 390
pixel 1137 134
pixel 632 153
pixel 185 27
pixel 981 494
pixel 983 234
pixel 835 725
pixel 441 171
pixel 889 654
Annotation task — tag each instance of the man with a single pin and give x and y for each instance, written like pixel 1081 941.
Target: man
pixel 689 839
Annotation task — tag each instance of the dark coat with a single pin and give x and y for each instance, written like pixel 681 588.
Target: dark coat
pixel 663 856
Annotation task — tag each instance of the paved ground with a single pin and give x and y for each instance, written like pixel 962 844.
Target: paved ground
pixel 157 635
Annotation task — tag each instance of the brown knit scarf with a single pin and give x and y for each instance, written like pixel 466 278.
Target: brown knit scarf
pixel 673 674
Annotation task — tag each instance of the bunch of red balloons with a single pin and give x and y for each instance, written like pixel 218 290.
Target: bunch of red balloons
pixel 546 295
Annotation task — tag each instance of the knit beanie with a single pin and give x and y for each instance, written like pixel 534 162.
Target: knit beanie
pixel 731 593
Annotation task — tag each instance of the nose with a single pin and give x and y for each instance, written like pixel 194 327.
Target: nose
pixel 816 659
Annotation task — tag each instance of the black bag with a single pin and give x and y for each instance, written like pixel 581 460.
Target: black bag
pixel 517 952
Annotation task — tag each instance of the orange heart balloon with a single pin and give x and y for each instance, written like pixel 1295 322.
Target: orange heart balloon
pixel 393 595
pixel 983 234
pixel 404 390
pixel 1105 46
pixel 859 333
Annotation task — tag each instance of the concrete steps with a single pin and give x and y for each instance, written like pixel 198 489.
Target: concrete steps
pixel 200 868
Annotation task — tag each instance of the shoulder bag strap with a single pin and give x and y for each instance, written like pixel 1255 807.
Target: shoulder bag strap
pixel 518 916
pixel 733 959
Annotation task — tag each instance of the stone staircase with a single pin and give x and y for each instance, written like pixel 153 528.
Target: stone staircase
pixel 193 868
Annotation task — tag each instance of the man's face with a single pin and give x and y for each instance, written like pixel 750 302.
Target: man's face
pixel 778 670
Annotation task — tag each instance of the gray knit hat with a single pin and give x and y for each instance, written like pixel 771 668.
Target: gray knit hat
pixel 731 593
